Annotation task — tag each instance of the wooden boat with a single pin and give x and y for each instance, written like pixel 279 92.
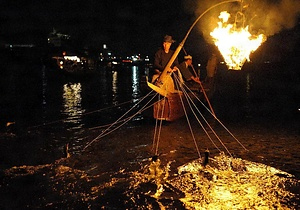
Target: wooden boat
pixel 172 106
pixel 74 65
pixel 170 109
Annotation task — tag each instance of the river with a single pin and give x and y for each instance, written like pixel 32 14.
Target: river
pixel 50 112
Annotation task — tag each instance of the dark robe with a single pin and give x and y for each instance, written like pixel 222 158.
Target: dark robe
pixel 161 59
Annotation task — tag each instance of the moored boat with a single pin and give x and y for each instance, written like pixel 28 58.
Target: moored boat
pixel 75 65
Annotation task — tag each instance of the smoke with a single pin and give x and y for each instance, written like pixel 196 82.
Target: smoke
pixel 274 17
pixel 262 16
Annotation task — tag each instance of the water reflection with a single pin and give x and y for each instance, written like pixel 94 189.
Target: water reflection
pixel 44 91
pixel 248 89
pixel 72 111
pixel 72 103
pixel 135 82
pixel 115 87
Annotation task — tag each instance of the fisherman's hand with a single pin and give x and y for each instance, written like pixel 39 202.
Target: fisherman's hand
pixel 175 68
pixel 169 70
pixel 196 79
pixel 157 71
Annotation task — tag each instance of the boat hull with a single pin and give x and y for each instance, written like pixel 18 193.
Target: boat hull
pixel 169 108
pixel 175 105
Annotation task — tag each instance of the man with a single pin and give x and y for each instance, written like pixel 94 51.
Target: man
pixel 162 57
pixel 190 80
pixel 211 69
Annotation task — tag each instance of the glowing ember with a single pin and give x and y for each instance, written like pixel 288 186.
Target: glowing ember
pixel 235 44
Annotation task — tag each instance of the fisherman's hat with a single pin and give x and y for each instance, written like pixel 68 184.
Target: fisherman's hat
pixel 169 39
pixel 187 57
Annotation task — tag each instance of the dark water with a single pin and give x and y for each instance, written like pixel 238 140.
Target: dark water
pixel 38 98
pixel 50 110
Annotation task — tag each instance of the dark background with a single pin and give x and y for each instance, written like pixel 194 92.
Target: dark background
pixel 129 27
pixel 126 26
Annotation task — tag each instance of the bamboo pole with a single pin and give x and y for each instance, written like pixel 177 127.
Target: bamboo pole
pixel 202 88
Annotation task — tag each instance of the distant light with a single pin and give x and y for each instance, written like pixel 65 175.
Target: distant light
pixel 72 58
pixel 199 64
pixel 147 58
pixel 104 46
pixel 126 61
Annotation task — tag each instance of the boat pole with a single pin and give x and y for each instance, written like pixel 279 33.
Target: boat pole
pixel 202 89
pixel 160 81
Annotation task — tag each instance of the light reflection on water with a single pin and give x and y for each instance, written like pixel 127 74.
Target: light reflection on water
pixel 44 89
pixel 72 103
pixel 72 111
pixel 114 87
pixel 135 82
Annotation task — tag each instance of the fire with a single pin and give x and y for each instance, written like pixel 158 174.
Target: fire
pixel 235 44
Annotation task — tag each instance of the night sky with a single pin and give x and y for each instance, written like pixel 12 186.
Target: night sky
pixel 126 25
pixel 131 26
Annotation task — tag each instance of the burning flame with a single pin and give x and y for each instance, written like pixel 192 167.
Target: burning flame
pixel 235 44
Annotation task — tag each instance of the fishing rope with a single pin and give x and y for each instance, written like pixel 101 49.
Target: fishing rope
pixel 215 134
pixel 159 132
pixel 177 82
pixel 106 132
pixel 129 118
pixel 222 126
pixel 194 105
pixel 157 138
pixel 201 86
pixel 195 115
pixel 155 128
pixel 125 119
pixel 218 120
pixel 84 114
